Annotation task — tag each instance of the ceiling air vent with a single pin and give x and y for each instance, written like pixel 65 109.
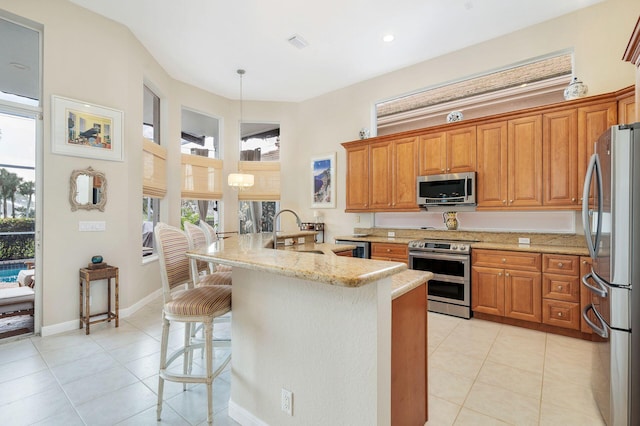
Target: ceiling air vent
pixel 297 41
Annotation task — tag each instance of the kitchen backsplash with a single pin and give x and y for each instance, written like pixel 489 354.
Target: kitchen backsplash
pixel 567 222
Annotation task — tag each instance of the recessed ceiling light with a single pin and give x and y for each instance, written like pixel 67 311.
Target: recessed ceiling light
pixel 388 38
pixel 19 66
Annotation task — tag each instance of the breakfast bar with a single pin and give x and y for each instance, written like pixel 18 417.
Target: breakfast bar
pixel 317 325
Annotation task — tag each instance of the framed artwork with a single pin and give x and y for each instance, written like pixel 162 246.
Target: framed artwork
pixel 323 177
pixel 86 130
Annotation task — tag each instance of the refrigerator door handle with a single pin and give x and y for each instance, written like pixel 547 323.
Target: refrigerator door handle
pixel 600 331
pixel 601 291
pixel 593 169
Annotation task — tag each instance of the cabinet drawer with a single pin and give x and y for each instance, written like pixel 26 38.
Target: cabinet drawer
pixel 561 287
pixel 561 264
pixel 561 314
pixel 390 250
pixel 522 261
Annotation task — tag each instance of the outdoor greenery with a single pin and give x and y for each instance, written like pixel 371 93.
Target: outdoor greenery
pixel 11 185
pixel 17 246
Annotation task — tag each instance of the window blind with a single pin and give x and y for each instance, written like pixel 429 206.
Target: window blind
pixel 201 178
pixel 266 185
pixel 154 178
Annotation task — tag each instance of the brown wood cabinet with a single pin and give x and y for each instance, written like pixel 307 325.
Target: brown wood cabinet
pixel 381 176
pixel 452 151
pixel 627 109
pixel 409 379
pixel 357 190
pixel 390 251
pixel 505 283
pixel 510 163
pixel 561 291
pixel 560 158
pixel 593 120
pixel 491 181
pixel 534 159
pixel 524 163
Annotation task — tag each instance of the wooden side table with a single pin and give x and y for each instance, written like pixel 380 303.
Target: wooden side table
pixel 86 276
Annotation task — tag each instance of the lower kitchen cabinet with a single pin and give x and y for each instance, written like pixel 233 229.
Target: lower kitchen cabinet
pixel 390 251
pixel 561 283
pixel 506 284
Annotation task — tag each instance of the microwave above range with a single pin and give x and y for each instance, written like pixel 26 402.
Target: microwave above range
pixel 454 189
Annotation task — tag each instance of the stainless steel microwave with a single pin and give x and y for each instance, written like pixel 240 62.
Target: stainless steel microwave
pixel 454 189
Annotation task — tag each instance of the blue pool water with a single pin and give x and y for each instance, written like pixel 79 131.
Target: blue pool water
pixel 9 275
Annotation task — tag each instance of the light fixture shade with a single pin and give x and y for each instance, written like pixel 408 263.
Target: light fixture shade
pixel 240 180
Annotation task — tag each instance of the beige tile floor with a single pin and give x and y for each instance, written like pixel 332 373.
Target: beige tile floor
pixel 480 373
pixel 483 373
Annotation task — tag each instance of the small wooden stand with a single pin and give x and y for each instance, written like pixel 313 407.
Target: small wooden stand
pixel 86 276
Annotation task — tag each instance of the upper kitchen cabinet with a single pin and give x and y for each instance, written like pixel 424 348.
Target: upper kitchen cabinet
pixel 491 181
pixel 593 120
pixel 381 176
pixel 357 190
pixel 560 158
pixel 627 107
pixel 510 163
pixel 524 163
pixel 451 151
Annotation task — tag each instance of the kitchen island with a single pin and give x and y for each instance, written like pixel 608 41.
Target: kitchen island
pixel 314 324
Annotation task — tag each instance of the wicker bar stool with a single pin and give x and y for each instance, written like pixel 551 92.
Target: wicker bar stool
pixel 190 306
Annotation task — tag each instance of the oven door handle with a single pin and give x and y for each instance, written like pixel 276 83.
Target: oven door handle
pixel 439 256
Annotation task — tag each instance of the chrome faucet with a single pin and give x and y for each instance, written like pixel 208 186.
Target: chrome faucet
pixel 275 218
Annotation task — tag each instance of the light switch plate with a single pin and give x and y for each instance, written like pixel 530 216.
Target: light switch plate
pixel 524 240
pixel 92 226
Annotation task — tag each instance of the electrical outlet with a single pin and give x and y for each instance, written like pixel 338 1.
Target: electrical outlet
pixel 391 234
pixel 286 403
pixel 358 218
pixel 524 240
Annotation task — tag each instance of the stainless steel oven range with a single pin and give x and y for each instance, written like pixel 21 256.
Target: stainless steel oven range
pixel 449 292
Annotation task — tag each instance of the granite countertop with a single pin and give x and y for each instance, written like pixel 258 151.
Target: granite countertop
pixel 250 251
pixel 406 281
pixel 324 248
pixel 570 244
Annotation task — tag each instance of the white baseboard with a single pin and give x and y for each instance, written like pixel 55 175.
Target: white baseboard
pixel 63 327
pixel 242 416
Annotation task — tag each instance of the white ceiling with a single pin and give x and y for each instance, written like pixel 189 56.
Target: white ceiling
pixel 204 42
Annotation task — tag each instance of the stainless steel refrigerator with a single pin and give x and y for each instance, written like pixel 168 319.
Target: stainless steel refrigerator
pixel 611 219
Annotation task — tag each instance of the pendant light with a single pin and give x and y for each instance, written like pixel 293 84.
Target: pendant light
pixel 240 181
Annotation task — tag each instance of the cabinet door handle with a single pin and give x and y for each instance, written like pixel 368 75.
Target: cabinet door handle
pixel 584 262
pixel 573 200
pixel 506 274
pixel 499 274
pixel 448 169
pixel 510 201
pixel 388 250
pixel 559 287
pixel 504 201
pixel 560 265
pixel 559 314
pixel 504 260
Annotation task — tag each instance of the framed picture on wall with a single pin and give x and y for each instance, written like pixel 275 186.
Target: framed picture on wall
pixel 87 130
pixel 323 181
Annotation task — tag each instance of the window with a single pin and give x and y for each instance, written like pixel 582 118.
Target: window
pixel 154 179
pixel 259 156
pixel 201 169
pixel 537 82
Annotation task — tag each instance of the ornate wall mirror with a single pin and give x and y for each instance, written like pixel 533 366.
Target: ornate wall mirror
pixel 87 190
